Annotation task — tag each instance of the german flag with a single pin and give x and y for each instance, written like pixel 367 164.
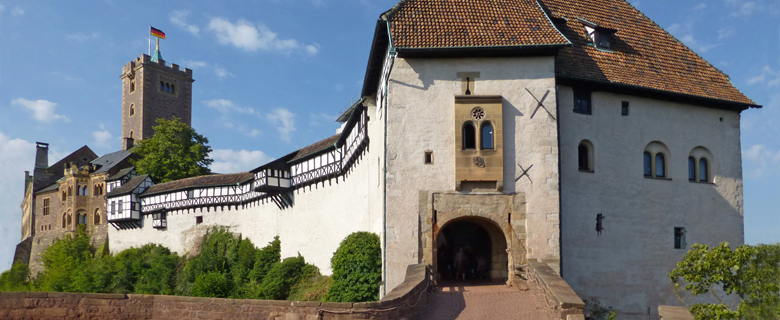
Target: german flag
pixel 157 32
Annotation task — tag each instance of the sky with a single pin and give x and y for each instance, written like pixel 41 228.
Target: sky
pixel 271 76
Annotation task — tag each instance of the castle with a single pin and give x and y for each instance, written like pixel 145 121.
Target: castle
pixel 573 132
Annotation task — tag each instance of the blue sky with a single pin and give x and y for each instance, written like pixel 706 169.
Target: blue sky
pixel 271 76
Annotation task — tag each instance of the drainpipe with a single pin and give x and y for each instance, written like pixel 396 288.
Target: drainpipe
pixel 392 54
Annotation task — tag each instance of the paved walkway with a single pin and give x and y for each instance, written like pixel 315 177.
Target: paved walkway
pixel 465 302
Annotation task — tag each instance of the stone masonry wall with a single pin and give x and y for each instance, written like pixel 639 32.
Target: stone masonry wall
pixel 404 302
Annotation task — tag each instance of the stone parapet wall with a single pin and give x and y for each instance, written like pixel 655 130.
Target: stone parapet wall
pixel 674 313
pixel 405 301
pixel 566 304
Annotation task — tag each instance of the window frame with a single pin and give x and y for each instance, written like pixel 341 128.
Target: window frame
pixel 581 96
pixel 487 125
pixel 464 137
pixel 587 146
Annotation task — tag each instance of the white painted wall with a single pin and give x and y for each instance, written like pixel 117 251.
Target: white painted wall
pixel 626 266
pixel 321 217
pixel 421 117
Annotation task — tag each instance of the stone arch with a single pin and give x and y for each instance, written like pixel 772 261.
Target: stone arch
pixel 482 241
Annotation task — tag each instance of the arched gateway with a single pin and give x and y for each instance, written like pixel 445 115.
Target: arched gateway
pixel 488 227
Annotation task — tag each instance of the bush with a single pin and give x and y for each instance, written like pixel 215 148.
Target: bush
pixel 265 259
pixel 357 269
pixel 283 275
pixel 311 286
pixel 212 284
pixel 150 269
pixel 16 278
pixel 64 261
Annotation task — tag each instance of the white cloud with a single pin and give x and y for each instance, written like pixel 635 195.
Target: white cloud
pixel 178 18
pixel 102 137
pixel 245 35
pixel 284 121
pixel 700 6
pixel 229 161
pixel 684 33
pixel 2 7
pixel 768 77
pixel 726 32
pixel 16 156
pixel 227 106
pixel 743 9
pixel 82 37
pixel 760 162
pixel 42 110
pixel 219 71
pixel 16 11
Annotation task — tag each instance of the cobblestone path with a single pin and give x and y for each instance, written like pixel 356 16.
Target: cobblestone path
pixel 464 302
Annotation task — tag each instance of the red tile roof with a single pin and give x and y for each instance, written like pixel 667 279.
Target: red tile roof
pixel 470 23
pixel 201 181
pixel 643 54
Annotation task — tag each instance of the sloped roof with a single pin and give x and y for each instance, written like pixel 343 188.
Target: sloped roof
pixel 54 172
pixel 121 174
pixel 54 187
pixel 643 54
pixel 201 181
pixel 471 23
pixel 128 186
pixel 315 147
pixel 108 161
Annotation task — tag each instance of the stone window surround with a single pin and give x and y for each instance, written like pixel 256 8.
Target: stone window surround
pixel 701 153
pixel 654 148
pixel 590 158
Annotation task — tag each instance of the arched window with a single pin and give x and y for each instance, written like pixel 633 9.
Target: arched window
pixel 70 219
pixel 70 191
pixel 691 169
pixel 703 170
pixel 131 134
pixel 167 87
pixel 132 110
pixel 648 165
pixel 64 196
pixel 132 86
pixel 173 88
pixel 469 136
pixel 486 136
pixel 660 165
pixel 585 156
pixel 96 216
pixel 64 219
pixel 162 86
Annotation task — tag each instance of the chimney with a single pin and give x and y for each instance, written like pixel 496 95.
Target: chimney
pixel 128 143
pixel 42 155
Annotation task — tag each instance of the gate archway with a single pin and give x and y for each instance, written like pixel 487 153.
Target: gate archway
pixel 483 244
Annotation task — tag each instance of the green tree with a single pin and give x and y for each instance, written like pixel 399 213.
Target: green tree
pixel 750 272
pixel 63 263
pixel 150 269
pixel 357 269
pixel 281 278
pixel 174 152
pixel 16 278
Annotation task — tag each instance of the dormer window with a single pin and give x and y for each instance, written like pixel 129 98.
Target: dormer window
pixel 599 36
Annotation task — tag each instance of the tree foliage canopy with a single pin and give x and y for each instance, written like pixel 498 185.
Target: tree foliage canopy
pixel 750 272
pixel 174 152
pixel 357 269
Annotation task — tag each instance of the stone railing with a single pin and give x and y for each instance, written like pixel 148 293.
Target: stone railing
pixel 566 303
pixel 674 313
pixel 405 301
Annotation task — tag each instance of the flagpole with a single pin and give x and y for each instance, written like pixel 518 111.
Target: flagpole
pixel 150 40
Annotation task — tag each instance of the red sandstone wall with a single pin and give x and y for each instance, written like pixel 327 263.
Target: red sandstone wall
pixel 404 302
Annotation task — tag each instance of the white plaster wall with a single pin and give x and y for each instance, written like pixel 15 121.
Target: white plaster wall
pixel 321 217
pixel 421 117
pixel 626 266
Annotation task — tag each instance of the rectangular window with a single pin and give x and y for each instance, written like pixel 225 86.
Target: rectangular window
pixel 428 157
pixel 113 207
pixel 121 208
pixel 582 101
pixel 198 219
pixel 46 207
pixel 679 238
pixel 624 108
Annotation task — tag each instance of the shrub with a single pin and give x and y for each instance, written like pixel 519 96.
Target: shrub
pixel 63 261
pixel 311 286
pixel 277 283
pixel 150 269
pixel 357 269
pixel 16 278
pixel 212 284
pixel 265 259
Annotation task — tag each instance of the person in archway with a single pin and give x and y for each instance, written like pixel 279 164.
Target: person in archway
pixel 460 265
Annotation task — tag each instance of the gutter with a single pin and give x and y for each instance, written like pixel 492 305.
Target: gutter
pixel 392 54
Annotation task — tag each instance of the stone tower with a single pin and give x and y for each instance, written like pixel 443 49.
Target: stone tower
pixel 152 90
